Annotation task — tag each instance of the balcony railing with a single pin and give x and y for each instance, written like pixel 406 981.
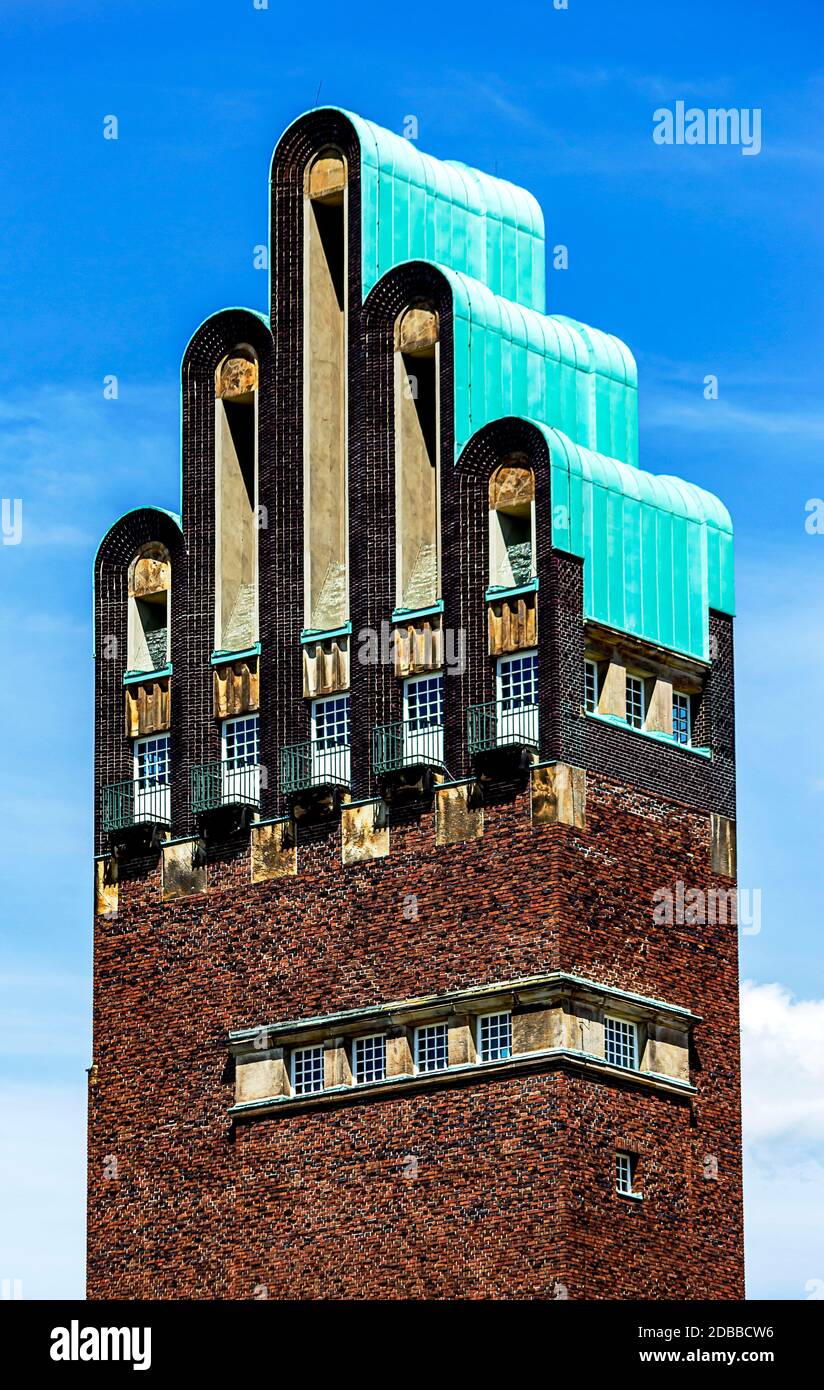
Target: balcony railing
pixel 501 724
pixel 408 744
pixel 142 802
pixel 223 784
pixel 314 764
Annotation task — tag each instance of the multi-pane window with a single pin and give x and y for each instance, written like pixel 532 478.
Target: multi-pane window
pixel 424 702
pixel 681 721
pixel 621 1043
pixel 494 1037
pixel 624 1173
pixel 330 722
pixel 369 1059
pixel 431 1047
pixel 241 741
pixel 635 702
pixel 151 761
pixel 307 1070
pixel 590 687
pixel 518 680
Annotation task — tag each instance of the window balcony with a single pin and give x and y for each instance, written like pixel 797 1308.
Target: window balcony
pixel 219 785
pixel 501 724
pixel 144 801
pixel 318 763
pixel 409 744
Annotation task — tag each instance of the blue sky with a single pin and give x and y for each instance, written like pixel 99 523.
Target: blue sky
pixel 704 260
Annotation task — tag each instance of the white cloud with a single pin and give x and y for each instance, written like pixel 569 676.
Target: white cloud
pixel 782 1049
pixel 782 1042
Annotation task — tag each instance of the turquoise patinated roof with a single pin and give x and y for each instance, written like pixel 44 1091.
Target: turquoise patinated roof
pixel 657 551
pixel 415 207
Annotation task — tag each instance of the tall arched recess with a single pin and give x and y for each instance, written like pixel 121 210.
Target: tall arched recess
pixel 236 500
pixel 325 212
pixel 417 461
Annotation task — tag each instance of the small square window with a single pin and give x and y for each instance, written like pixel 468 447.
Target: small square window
pixel 241 741
pixel 307 1070
pixel 431 1047
pixel 621 1043
pixel 369 1059
pixel 625 1174
pixel 681 717
pixel 635 702
pixel 590 687
pixel 494 1037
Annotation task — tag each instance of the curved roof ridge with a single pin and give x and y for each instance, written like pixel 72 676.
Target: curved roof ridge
pixel 415 206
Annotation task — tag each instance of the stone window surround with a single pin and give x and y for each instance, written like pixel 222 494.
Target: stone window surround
pixel 615 656
pixel 557 1018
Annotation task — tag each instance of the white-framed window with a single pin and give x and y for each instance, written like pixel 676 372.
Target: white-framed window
pixel 590 686
pixel 621 1042
pixel 241 741
pixel 151 761
pixel 517 678
pixel 330 740
pixel 152 768
pixel 423 719
pixel 330 721
pixel 431 1047
pixel 240 777
pixel 681 717
pixel 625 1173
pixel 636 702
pixel 494 1039
pixel 423 702
pixel 307 1070
pixel 369 1059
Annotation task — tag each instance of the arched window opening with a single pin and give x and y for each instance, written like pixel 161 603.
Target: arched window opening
pixel 511 524
pixel 417 412
pixel 149 595
pixel 236 560
pixel 324 393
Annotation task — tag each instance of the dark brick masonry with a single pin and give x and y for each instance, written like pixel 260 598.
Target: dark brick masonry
pixel 477 1189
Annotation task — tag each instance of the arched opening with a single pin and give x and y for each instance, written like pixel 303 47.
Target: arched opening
pixel 417 412
pixel 149 584
pixel 511 524
pixel 236 560
pixel 324 393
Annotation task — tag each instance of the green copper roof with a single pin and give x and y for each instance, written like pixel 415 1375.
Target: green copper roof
pixel 417 208
pixel 657 551
pixel 511 360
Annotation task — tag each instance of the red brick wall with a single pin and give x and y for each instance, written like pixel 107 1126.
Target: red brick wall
pixel 514 1186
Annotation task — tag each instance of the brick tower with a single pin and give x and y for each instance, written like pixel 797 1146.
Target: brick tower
pixel 415 964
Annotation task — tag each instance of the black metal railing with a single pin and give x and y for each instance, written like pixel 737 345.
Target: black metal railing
pixel 406 744
pixel 135 802
pixel 314 764
pixel 222 784
pixel 501 724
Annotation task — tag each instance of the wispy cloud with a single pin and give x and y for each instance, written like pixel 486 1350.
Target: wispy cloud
pixel 700 416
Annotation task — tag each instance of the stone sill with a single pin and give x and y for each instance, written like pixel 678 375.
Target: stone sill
pixel 405 1083
pixel 614 722
pixel 143 677
pixel 630 1196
